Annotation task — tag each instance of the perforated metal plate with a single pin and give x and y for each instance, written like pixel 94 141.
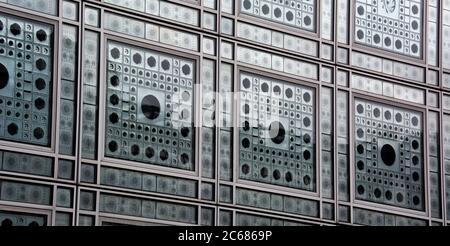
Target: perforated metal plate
pixel 8 218
pixel 26 58
pixel 150 100
pixel 393 25
pixel 389 167
pixel 296 13
pixel 277 133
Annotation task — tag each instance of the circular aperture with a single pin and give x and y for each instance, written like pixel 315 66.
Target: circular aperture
pixel 185 132
pixel 115 81
pixel 114 99
pixel 276 175
pixel 360 109
pixel 307 20
pixel 247 4
pixel 307 138
pixel 388 195
pixel 360 149
pixel 7 222
pixel 289 93
pixel 41 64
pixel 151 107
pixel 184 158
pixel 376 112
pixel 361 189
pixel 245 169
pixel 388 154
pixel 149 152
pixel 387 115
pixel 415 144
pixel 113 118
pixel 4 76
pixel 307 180
pixel 41 35
pixel 399 197
pixel 135 150
pixel 277 90
pixel 416 200
pixel 165 65
pixel 360 133
pixel 137 58
pixel 246 143
pixel 115 53
pixel 265 87
pixel 38 133
pixel 415 121
pixel 288 177
pixel 377 193
pixel 306 155
pixel 186 70
pixel 265 9
pixel 306 97
pixel 40 84
pixel 151 61
pixel 415 176
pixel 15 29
pixel 246 83
pixel 360 165
pixel 415 160
pixel 277 133
pixel 12 129
pixel 39 103
pixel 164 155
pixel 264 172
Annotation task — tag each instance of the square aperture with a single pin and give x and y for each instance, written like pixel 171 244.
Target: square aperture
pixel 295 13
pixel 389 167
pixel 277 132
pixel 149 115
pixel 392 25
pixel 26 80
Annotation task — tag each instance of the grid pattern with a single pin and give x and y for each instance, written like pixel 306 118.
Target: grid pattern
pixel 277 132
pixel 26 80
pixel 150 107
pixel 296 13
pixel 393 25
pixel 389 155
pixel 114 151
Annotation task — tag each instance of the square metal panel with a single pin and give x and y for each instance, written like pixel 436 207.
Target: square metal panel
pixel 149 112
pixel 295 13
pixel 392 25
pixel 26 78
pixel 389 166
pixel 277 133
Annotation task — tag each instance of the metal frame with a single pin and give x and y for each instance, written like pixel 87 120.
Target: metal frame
pixel 197 175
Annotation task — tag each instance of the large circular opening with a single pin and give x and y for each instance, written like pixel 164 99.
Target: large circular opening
pixel 151 107
pixel 4 76
pixel 277 133
pixel 388 154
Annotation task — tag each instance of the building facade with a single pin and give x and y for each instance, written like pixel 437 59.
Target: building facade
pixel 225 112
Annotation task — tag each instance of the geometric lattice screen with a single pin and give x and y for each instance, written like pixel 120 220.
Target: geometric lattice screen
pixel 296 13
pixel 393 25
pixel 389 167
pixel 149 101
pixel 26 58
pixel 277 133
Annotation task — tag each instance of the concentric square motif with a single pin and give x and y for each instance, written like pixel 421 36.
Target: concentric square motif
pixel 277 132
pixel 26 78
pixel 389 167
pixel 393 25
pixel 149 115
pixel 296 13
